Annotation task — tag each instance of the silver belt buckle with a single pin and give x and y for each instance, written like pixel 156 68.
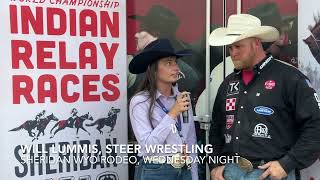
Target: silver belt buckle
pixel 245 164
pixel 177 161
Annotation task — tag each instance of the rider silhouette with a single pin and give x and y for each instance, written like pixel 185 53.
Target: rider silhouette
pixel 40 116
pixel 73 117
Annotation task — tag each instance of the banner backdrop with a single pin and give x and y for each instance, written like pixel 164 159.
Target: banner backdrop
pixel 63 95
pixel 309 59
pixel 309 41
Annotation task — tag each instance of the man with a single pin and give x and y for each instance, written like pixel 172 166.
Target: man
pixel 266 111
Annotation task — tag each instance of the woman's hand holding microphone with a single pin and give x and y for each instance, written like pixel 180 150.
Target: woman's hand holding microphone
pixel 182 104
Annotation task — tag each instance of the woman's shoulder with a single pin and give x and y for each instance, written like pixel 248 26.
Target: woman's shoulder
pixel 140 97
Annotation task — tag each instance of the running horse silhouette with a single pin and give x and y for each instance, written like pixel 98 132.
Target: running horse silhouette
pixel 43 123
pixel 107 121
pixel 78 124
pixel 30 125
pixel 313 41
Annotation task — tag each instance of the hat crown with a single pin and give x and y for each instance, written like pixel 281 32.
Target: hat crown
pixel 153 52
pixel 241 23
pixel 159 45
pixel 158 12
pixel 242 26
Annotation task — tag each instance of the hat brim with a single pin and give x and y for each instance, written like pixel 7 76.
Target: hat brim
pixel 141 61
pixel 137 17
pixel 220 37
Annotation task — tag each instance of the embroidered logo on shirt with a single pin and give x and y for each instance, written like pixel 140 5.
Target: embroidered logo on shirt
pixel 229 121
pixel 233 88
pixel 265 62
pixel 270 84
pixel 263 110
pixel 261 131
pixel 231 104
pixel 227 138
pixel 317 99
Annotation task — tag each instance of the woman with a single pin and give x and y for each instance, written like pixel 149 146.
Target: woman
pixel 155 114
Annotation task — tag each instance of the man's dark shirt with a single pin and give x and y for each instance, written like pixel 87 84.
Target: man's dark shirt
pixel 275 117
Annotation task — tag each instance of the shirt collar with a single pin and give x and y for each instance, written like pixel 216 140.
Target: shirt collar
pixel 174 89
pixel 258 67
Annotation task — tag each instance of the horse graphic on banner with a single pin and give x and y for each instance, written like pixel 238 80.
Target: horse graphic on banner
pixel 32 125
pixel 107 121
pixel 313 41
pixel 76 122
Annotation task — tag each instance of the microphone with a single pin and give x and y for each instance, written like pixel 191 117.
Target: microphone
pixel 185 114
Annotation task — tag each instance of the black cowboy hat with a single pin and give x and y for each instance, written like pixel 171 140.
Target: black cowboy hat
pixel 158 19
pixel 154 51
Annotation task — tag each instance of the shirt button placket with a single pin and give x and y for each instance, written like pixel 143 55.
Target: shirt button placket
pixel 237 133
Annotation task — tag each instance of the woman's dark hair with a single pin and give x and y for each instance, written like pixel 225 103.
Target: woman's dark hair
pixel 149 85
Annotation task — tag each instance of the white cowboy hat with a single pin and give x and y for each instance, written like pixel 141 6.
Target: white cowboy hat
pixel 241 26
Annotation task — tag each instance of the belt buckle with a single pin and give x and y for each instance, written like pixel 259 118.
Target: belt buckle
pixel 245 164
pixel 177 161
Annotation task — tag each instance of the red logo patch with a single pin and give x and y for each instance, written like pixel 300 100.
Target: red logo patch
pixel 229 121
pixel 231 104
pixel 270 84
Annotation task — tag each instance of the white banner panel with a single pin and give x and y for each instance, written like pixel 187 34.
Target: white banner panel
pixel 309 58
pixel 309 40
pixel 63 98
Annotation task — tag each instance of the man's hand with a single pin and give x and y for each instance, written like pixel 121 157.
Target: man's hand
pixel 217 173
pixel 273 169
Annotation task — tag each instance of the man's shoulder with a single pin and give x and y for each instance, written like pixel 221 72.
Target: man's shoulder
pixel 287 70
pixel 232 76
pixel 284 65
